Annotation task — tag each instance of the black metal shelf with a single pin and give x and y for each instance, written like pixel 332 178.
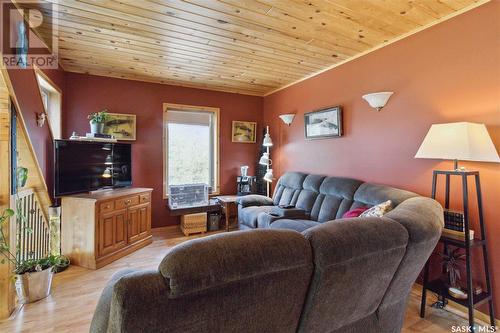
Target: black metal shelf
pixel 439 287
pixel 461 243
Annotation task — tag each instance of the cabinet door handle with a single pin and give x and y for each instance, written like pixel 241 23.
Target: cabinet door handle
pixel 127 201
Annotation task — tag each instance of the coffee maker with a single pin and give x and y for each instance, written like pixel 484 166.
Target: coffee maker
pixel 245 184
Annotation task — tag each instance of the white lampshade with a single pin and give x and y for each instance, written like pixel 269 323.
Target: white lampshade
pixel 269 176
pixel 268 142
pixel 106 173
pixel 109 160
pixel 287 118
pixel 378 100
pixel 264 160
pixel 458 141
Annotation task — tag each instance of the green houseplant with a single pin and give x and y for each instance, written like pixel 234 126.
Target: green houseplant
pixel 33 277
pixel 97 121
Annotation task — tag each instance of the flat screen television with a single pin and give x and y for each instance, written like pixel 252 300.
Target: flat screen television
pixel 83 166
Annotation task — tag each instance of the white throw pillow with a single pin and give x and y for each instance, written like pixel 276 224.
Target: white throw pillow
pixel 378 210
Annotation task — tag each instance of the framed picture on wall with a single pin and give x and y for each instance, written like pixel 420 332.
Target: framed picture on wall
pixel 324 123
pixel 244 131
pixel 121 126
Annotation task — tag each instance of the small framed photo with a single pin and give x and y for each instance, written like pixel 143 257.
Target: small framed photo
pixel 324 123
pixel 121 126
pixel 244 131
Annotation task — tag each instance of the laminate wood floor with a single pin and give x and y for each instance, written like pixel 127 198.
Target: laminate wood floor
pixel 75 293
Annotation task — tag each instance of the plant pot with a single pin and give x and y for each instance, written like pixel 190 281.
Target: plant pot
pixel 96 128
pixel 31 287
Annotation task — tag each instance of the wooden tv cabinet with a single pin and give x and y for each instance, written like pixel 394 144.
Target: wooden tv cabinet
pixel 98 228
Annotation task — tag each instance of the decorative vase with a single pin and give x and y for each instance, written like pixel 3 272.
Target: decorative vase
pixel 31 287
pixel 96 128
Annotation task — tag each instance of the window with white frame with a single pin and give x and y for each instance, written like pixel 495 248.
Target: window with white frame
pixel 51 99
pixel 191 153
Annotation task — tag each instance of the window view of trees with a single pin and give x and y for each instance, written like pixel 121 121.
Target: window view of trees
pixel 188 154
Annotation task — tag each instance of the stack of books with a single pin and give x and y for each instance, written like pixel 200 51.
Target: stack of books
pixel 454 225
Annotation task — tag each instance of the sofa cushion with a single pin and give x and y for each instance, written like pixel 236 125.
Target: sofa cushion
pixel 308 195
pixel 288 188
pixel 335 198
pixel 248 215
pixel 378 210
pixel 354 212
pixel 297 225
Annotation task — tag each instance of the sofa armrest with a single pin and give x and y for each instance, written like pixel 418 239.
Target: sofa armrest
pixel 100 320
pixel 355 261
pixel 289 213
pixel 254 200
pixel 264 220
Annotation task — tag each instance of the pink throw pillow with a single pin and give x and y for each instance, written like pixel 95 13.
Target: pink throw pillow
pixel 354 212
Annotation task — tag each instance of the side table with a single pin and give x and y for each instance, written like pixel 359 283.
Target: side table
pixel 229 208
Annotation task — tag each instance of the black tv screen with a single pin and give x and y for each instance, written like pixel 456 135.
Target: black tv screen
pixel 83 166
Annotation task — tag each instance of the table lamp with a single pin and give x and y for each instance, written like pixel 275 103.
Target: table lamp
pixel 466 142
pixel 458 141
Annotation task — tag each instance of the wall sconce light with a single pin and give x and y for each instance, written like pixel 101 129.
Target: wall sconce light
pixel 378 100
pixel 40 119
pixel 287 118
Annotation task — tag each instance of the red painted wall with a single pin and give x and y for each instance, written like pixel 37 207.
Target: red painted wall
pixel 448 73
pixel 85 94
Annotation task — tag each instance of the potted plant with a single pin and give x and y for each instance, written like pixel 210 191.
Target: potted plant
pixel 97 121
pixel 33 277
pixel 452 261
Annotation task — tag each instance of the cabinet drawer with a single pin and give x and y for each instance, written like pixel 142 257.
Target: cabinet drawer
pixel 106 207
pixel 146 197
pixel 126 202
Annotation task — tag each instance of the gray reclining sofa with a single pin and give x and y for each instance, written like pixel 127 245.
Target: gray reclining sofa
pixel 345 275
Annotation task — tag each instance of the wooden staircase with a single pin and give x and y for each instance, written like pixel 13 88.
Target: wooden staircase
pixel 33 200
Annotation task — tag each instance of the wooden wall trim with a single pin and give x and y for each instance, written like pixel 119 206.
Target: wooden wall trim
pixel 41 186
pixel 6 287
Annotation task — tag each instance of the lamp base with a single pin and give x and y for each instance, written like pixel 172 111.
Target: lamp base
pixel 457 168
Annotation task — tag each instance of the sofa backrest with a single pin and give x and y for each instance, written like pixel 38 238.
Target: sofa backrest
pixel 243 281
pixel 335 198
pixel 309 193
pixel 423 220
pixel 323 198
pixel 288 188
pixel 369 194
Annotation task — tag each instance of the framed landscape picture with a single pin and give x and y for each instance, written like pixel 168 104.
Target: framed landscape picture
pixel 324 123
pixel 121 126
pixel 244 131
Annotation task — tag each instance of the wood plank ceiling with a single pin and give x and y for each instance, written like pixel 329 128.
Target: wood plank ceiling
pixel 245 46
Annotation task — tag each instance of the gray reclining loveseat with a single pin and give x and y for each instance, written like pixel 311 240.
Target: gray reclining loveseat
pixel 302 201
